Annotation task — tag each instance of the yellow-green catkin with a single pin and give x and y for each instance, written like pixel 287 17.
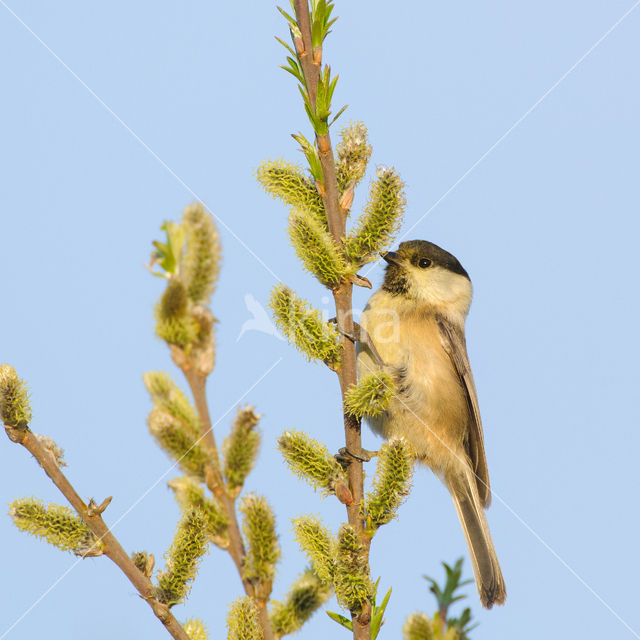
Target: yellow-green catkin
pixel 351 581
pixel 418 626
pixel 306 595
pixel 174 324
pixel 319 545
pixel 182 559
pixel 259 528
pixel 316 250
pixel 202 254
pixel 179 442
pixel 391 483
pixel 15 409
pixel 195 629
pixel 190 494
pixel 240 448
pixel 311 460
pixel 190 260
pixel 380 220
pixel 242 621
pixel 166 395
pixel 353 153
pixel 143 561
pixel 371 395
pixel 288 182
pixel 57 525
pixel 304 327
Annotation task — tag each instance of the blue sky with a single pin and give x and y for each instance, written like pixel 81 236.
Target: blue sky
pixel 121 114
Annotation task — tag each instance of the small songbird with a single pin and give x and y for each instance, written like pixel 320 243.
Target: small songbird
pixel 415 323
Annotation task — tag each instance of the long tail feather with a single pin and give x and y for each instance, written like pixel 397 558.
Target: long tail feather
pixel 484 559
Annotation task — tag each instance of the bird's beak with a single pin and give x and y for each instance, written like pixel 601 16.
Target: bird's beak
pixel 391 257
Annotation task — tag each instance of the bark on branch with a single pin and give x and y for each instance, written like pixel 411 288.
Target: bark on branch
pixel 343 300
pixel 93 519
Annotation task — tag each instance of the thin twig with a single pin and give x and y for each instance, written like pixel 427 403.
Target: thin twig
pixel 93 519
pixel 215 483
pixel 343 301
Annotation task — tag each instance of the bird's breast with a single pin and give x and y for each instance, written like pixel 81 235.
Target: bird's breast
pixel 430 408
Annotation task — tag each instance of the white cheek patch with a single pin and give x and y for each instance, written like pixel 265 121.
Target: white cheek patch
pixel 443 289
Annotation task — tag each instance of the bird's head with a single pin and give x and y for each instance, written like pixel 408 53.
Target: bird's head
pixel 425 275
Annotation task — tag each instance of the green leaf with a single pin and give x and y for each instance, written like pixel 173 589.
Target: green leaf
pixel 338 114
pixel 311 154
pixel 168 255
pixel 340 619
pixel 377 615
pixel 325 89
pixel 286 15
pixel 447 595
pixel 320 21
pixel 286 46
pixel 295 69
pixel 316 34
pixel 462 624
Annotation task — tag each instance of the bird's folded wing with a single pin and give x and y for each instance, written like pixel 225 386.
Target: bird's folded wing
pixel 455 345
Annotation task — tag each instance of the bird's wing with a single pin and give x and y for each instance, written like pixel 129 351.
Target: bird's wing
pixel 455 345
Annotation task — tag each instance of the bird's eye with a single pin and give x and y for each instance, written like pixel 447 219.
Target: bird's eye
pixel 423 263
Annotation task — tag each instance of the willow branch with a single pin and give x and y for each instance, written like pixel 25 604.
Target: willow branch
pixel 304 49
pixel 215 483
pixel 343 300
pixel 93 519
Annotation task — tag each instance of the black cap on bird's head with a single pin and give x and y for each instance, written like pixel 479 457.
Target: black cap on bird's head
pixel 416 255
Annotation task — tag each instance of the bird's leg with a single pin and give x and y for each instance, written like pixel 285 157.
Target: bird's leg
pixel 344 456
pixel 361 336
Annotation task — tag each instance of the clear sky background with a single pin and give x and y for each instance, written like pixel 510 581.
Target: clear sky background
pixel 174 102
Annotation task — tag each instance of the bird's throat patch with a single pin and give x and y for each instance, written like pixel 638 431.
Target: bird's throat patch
pixel 395 280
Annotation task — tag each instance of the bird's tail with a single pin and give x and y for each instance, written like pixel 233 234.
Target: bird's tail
pixel 484 559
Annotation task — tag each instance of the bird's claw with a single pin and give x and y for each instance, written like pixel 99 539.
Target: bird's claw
pixel 345 457
pixel 360 335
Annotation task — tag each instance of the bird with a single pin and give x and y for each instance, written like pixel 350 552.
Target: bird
pixel 415 328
